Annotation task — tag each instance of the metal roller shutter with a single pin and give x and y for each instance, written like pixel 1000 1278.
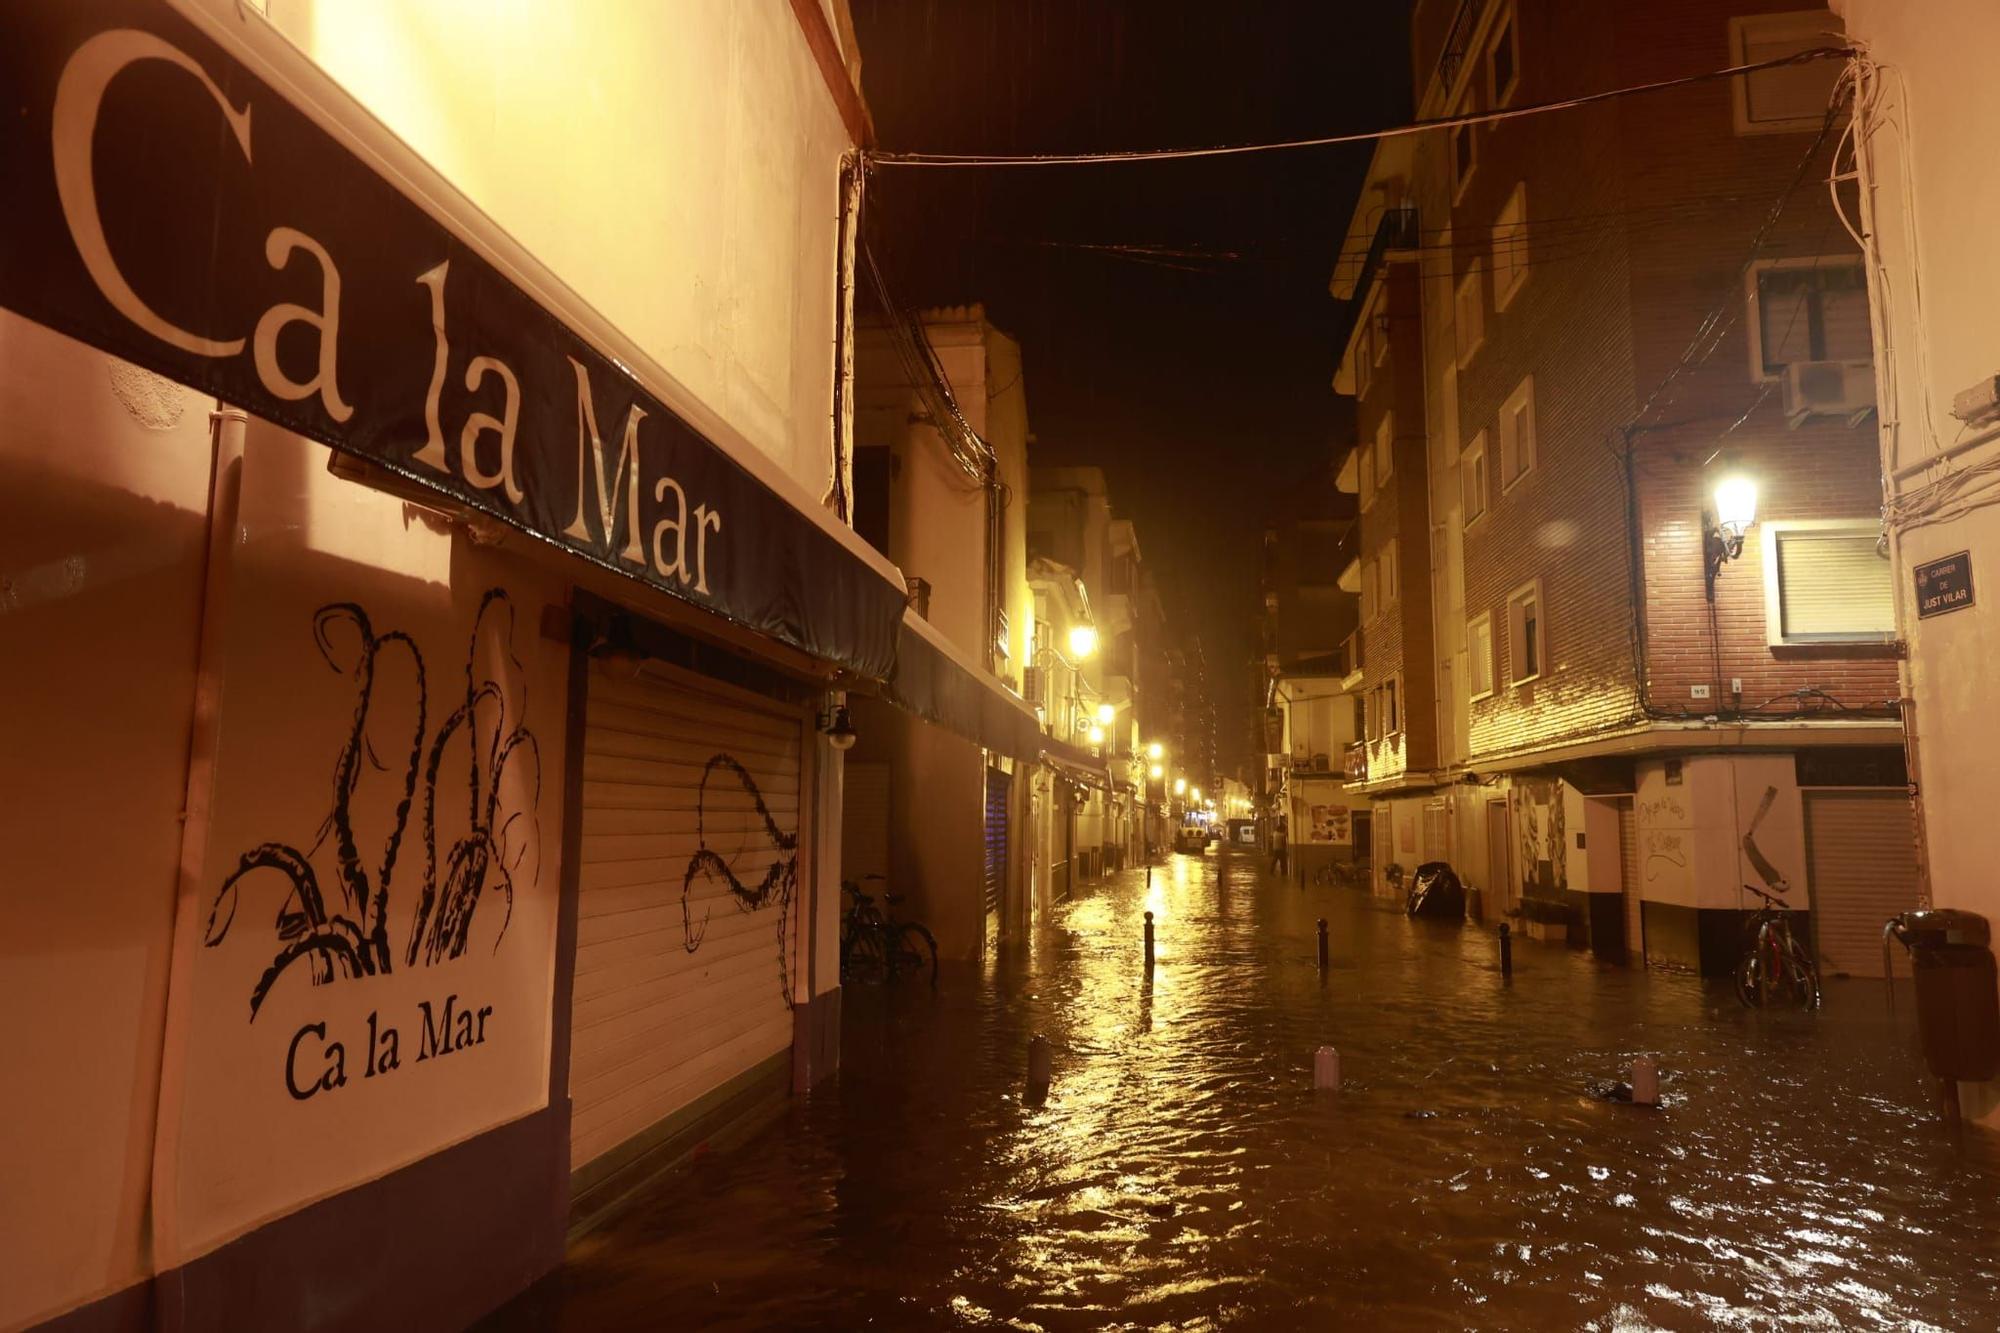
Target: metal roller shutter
pixel 997 787
pixel 1628 873
pixel 685 912
pixel 1862 859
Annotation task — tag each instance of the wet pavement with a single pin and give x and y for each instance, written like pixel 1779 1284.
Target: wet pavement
pixel 1184 1174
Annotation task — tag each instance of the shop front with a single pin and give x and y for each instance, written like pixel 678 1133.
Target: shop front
pixel 427 826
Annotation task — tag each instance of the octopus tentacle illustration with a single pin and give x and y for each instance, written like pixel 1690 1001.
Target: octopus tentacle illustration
pixel 350 937
pixel 780 878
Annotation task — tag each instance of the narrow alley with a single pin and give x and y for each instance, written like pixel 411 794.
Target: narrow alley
pixel 1184 1173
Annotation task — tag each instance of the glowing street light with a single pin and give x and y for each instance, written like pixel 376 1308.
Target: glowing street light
pixel 1096 735
pixel 1082 640
pixel 1156 751
pixel 1106 715
pixel 1195 794
pixel 1156 772
pixel 1180 785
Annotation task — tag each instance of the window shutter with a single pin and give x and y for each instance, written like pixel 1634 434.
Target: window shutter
pixel 1833 585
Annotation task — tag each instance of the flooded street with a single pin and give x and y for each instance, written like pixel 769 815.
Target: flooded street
pixel 1184 1173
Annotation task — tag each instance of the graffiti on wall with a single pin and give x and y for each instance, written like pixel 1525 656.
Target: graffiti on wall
pixel 1544 858
pixel 391 761
pixel 780 879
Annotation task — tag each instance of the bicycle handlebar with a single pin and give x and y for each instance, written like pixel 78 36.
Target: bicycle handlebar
pixel 1770 898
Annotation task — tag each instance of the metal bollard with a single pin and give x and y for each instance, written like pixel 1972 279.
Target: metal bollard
pixel 1149 941
pixel 1149 879
pixel 1040 1069
pixel 1326 1069
pixel 1322 944
pixel 1506 950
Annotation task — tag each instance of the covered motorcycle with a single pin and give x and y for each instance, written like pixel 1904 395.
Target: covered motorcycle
pixel 1435 892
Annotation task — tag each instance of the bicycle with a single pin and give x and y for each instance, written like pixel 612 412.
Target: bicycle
pixel 1774 967
pixel 1341 874
pixel 874 946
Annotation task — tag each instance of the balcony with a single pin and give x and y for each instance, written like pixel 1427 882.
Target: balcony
pixel 1355 762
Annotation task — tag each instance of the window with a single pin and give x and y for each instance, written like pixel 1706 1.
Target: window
pixel 1479 647
pixel 1795 97
pixel 1824 583
pixel 1503 61
pixel 1367 471
pixel 1378 325
pixel 1361 359
pixel 1392 715
pixel 1472 477
pixel 1510 247
pixel 1517 434
pixel 1387 565
pixel 1807 310
pixel 1464 157
pixel 1471 311
pixel 1385 447
pixel 1527 647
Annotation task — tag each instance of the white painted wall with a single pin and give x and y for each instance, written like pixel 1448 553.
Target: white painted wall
pixel 1936 198
pixel 677 164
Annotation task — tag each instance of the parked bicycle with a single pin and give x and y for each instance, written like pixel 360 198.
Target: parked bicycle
pixel 1341 874
pixel 874 946
pixel 1775 968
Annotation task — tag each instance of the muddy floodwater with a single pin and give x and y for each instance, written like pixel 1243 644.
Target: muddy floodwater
pixel 1183 1173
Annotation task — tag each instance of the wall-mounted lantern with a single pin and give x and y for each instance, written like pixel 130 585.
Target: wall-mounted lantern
pixel 1734 502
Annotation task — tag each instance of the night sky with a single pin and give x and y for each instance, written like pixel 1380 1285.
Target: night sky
pixel 1173 316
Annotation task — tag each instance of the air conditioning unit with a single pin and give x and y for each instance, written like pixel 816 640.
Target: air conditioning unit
pixel 1829 389
pixel 1319 763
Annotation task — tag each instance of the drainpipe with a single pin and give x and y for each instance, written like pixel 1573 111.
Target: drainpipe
pixel 840 492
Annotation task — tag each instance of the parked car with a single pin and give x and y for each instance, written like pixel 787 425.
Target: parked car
pixel 1191 838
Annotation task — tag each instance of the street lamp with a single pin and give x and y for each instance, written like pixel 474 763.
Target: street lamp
pixel 1096 735
pixel 1734 510
pixel 1156 751
pixel 1195 795
pixel 1106 714
pixel 1156 772
pixel 1082 640
pixel 1180 786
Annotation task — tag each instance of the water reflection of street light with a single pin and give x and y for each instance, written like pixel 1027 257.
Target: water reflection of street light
pixel 1082 640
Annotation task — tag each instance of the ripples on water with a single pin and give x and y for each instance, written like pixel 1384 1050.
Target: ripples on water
pixel 1184 1175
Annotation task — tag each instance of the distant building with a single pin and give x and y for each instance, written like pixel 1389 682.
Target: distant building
pixel 1582 338
pixel 1309 674
pixel 938 488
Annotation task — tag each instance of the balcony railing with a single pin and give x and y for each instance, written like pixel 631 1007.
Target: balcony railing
pixel 1355 763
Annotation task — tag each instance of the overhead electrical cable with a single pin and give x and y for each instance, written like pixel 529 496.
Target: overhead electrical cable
pixel 1358 136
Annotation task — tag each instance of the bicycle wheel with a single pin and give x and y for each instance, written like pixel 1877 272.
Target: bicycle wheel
pixel 1804 977
pixel 914 950
pixel 863 960
pixel 1750 987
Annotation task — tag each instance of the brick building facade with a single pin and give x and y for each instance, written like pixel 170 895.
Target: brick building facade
pixel 1571 327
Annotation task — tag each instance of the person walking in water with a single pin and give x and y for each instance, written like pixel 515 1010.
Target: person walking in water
pixel 1280 854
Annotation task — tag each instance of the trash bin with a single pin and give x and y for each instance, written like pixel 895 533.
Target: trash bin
pixel 1958 1003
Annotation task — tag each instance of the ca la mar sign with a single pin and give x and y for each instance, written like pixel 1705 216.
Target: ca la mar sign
pixel 167 205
